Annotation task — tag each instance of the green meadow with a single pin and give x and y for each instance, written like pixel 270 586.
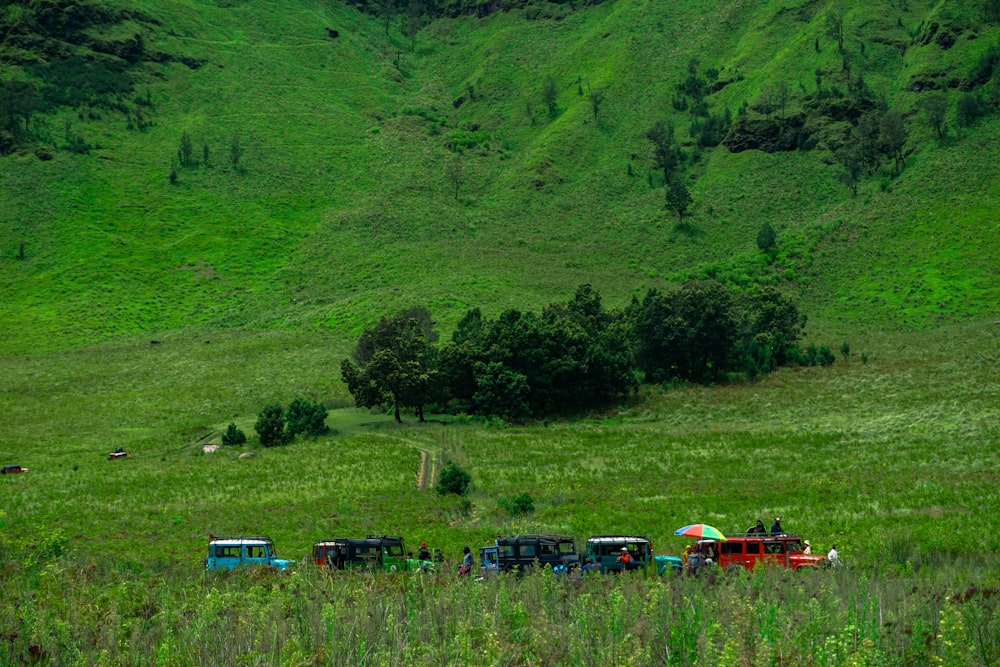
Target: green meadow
pixel 893 460
pixel 379 171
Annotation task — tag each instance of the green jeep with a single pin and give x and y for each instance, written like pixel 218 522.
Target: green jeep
pixel 375 552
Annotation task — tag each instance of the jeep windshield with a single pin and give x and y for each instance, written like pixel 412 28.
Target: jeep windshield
pixel 793 545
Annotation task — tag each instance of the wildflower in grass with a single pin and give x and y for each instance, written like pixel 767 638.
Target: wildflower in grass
pixel 953 641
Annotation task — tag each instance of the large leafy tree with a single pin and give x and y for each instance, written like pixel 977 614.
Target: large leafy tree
pixel 690 334
pixel 666 154
pixel 771 328
pixel 678 199
pixel 526 364
pixel 395 362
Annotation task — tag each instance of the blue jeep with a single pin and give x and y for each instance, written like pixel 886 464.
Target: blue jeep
pixel 226 553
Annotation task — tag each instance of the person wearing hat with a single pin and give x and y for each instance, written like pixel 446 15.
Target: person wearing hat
pixel 625 559
pixel 776 528
pixel 808 548
pixel 424 553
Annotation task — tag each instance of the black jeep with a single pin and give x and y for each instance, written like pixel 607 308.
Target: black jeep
pixel 520 552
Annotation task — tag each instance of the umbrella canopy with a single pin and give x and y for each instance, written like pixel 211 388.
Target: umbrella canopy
pixel 701 531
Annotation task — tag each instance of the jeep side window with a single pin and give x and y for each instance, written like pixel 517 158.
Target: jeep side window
pixel 507 550
pixel 229 552
pixel 547 549
pixel 753 547
pixel 528 550
pixel 731 548
pixel 566 547
pixel 774 548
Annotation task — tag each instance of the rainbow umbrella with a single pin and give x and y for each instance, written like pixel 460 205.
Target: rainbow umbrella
pixel 701 531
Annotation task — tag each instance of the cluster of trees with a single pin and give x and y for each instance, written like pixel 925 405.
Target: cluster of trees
pixel 185 157
pixel 879 135
pixel 18 102
pixel 575 356
pixel 276 426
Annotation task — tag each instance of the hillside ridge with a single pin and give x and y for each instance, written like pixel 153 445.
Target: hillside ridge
pixel 240 165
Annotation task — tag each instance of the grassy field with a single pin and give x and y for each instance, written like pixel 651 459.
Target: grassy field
pixel 148 315
pixel 894 460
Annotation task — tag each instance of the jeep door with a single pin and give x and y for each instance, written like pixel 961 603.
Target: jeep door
pixel 226 556
pixel 753 553
pixel 257 554
pixel 731 554
pixel 774 553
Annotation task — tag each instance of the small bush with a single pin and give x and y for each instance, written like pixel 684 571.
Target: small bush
pixel 461 140
pixel 304 416
pixel 520 505
pixel 453 480
pixel 270 426
pixel 233 436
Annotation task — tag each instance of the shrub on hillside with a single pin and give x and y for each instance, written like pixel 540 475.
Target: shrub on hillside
pixel 520 505
pixel 304 416
pixel 454 480
pixel 270 426
pixel 233 435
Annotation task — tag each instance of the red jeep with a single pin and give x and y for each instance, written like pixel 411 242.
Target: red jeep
pixel 747 551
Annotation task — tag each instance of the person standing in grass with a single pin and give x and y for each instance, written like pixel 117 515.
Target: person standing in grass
pixel 424 553
pixel 467 561
pixel 833 558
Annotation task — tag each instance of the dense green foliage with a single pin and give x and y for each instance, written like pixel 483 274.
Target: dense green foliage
pixel 577 356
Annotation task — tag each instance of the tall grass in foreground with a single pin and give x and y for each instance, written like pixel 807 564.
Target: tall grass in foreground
pixel 76 611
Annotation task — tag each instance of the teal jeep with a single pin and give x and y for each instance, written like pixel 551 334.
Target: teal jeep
pixel 607 551
pixel 227 553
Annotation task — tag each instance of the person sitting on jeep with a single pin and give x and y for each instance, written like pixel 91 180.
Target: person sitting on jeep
pixel 776 528
pixel 759 529
pixel 628 563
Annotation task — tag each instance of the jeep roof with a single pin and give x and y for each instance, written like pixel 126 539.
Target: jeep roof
pixel 616 539
pixel 539 538
pixel 253 540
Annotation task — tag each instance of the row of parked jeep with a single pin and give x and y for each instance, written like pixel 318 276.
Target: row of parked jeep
pixel 388 553
pixel 608 553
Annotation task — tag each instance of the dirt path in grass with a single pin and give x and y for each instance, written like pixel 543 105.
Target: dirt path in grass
pixel 429 461
pixel 425 469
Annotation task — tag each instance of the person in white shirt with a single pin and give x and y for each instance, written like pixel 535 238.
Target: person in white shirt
pixel 832 557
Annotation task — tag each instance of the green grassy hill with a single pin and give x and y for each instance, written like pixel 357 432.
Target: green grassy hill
pixel 342 207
